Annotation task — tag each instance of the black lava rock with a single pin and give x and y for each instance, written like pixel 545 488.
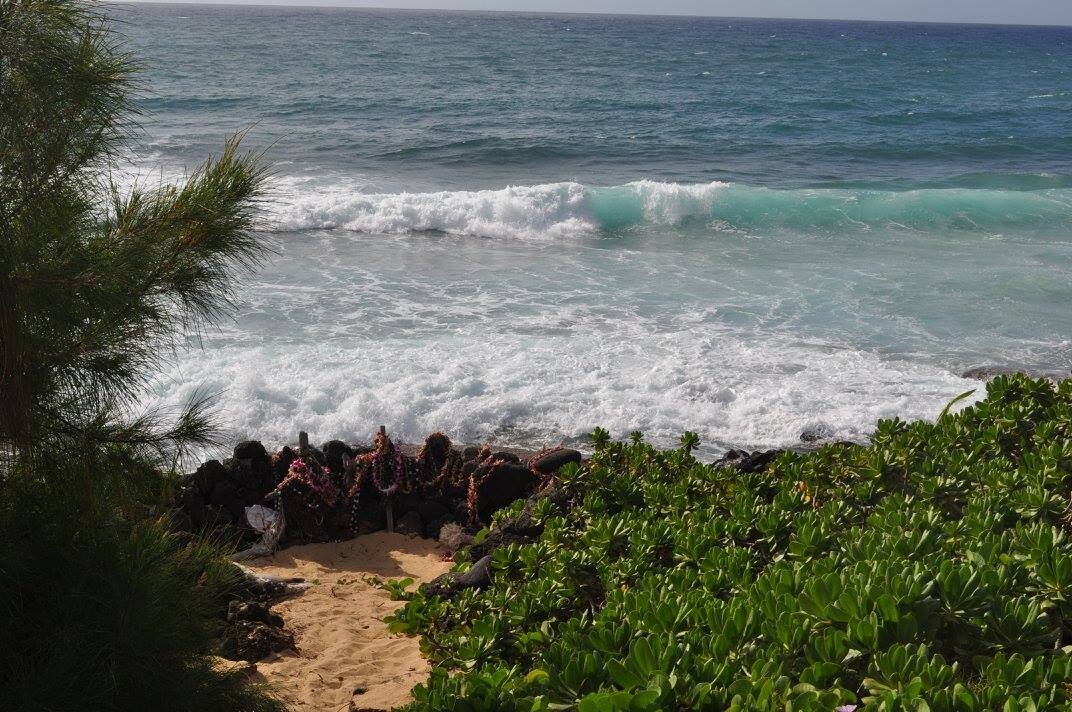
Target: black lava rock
pixel 252 611
pixel 250 450
pixel 502 484
pixel 816 433
pixel 253 470
pixel 223 494
pixel 478 575
pixel 368 517
pixel 253 641
pixel 208 475
pixel 505 456
pixel 548 463
pixel 433 528
pixel 431 510
pixel 449 584
pixel 758 461
pixel 217 517
pixel 333 454
pixel 410 523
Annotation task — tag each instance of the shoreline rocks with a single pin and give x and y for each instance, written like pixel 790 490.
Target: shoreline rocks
pixel 440 486
pixel 987 372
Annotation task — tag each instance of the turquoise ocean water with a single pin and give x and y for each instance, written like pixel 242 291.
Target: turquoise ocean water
pixel 517 227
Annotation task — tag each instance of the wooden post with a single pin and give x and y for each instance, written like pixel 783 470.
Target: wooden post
pixel 303 443
pixel 387 504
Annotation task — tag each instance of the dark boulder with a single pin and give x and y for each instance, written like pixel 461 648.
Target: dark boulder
pixel 730 459
pixel 501 484
pixel 434 528
pixel 816 433
pixel 250 450
pixel 281 464
pixel 254 612
pixel 521 528
pixel 224 494
pixel 505 456
pixel 553 493
pixel 449 584
pixel 208 475
pixel 402 503
pixel 191 500
pixel 478 575
pixel 254 469
pixel 315 454
pixel 410 523
pixel 548 463
pixel 180 522
pixel 368 517
pixel 758 461
pixel 253 641
pixel 243 477
pixel 334 450
pixel 433 455
pixel 431 510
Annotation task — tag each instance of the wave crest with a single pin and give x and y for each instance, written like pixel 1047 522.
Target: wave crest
pixel 568 209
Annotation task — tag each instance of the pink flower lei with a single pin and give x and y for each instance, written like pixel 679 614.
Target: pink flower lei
pixel 318 482
pixel 376 463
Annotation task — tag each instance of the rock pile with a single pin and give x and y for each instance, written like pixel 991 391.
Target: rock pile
pixel 338 491
pixel 253 631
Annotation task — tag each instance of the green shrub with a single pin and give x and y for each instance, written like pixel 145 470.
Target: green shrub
pixel 929 570
pixel 98 612
pixel 101 608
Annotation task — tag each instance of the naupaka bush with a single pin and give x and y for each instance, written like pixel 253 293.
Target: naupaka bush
pixel 931 569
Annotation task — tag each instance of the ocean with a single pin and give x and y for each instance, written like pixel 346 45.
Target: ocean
pixel 517 227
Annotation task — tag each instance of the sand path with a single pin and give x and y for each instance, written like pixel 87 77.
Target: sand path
pixel 348 660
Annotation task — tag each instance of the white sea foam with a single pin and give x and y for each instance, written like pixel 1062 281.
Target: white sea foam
pixel 538 391
pixel 555 210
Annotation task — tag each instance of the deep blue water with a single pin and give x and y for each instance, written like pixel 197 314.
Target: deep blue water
pixel 520 226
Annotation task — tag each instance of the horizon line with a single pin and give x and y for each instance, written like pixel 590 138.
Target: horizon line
pixel 591 13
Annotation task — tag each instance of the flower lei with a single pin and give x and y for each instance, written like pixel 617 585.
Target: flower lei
pixel 379 467
pixel 436 477
pixel 386 457
pixel 375 465
pixel 317 481
pixel 486 466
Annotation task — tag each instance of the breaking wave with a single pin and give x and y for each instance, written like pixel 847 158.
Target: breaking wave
pixel 568 209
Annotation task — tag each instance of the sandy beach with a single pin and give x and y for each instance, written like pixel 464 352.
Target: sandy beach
pixel 347 659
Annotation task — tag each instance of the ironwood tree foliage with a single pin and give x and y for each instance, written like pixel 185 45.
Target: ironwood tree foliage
pixel 95 282
pixel 102 606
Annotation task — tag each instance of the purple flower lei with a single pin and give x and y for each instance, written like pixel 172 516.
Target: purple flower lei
pixel 398 471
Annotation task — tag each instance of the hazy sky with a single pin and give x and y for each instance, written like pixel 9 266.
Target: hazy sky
pixel 1049 12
